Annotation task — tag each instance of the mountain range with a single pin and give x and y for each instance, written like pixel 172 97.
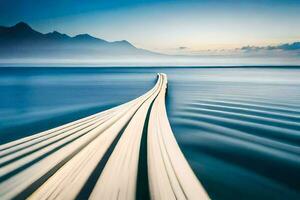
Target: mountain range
pixel 21 41
pixel 22 44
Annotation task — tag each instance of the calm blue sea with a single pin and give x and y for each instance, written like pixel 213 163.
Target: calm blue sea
pixel 239 128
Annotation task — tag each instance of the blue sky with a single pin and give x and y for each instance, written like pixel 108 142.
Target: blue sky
pixel 164 26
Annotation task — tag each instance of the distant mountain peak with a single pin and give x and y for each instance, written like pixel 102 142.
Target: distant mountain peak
pixel 54 33
pixel 21 40
pixel 123 43
pixel 85 36
pixel 19 32
pixel 22 26
pixel 57 34
pixel 88 38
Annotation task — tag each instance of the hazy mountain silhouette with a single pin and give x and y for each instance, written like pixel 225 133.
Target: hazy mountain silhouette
pixel 22 44
pixel 21 41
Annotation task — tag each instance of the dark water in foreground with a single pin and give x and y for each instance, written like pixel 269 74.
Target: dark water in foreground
pixel 239 128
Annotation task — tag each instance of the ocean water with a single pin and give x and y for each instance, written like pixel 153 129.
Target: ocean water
pixel 239 128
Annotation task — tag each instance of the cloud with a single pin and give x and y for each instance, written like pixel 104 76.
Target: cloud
pixel 289 47
pixel 284 47
pixel 182 48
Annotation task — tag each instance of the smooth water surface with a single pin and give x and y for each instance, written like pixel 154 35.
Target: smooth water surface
pixel 239 128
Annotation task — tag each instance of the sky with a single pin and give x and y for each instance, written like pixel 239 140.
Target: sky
pixel 169 26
